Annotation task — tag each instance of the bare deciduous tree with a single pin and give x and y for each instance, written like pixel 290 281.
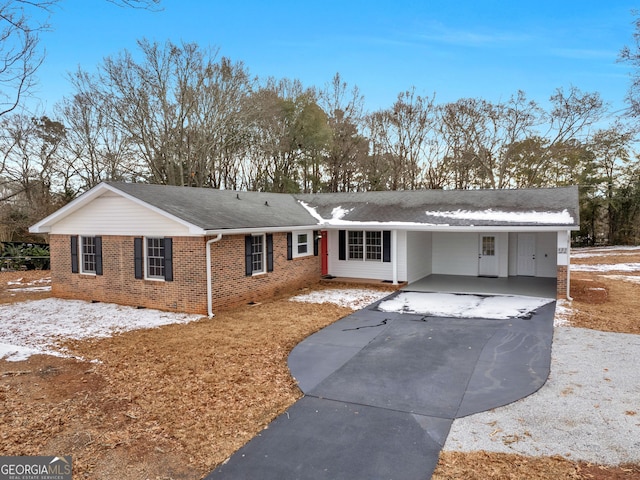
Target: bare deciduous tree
pixel 348 149
pixel 20 55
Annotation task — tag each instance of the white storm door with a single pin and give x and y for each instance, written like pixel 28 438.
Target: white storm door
pixel 488 256
pixel 526 254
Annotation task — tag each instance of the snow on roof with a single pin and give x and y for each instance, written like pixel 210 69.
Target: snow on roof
pixel 563 218
pixel 490 215
pixel 338 214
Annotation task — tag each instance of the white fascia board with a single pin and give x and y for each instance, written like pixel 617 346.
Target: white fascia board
pixel 44 225
pixel 241 231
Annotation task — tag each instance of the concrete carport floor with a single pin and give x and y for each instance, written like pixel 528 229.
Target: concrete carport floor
pixel 382 389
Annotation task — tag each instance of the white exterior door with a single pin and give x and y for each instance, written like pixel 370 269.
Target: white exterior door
pixel 488 256
pixel 526 254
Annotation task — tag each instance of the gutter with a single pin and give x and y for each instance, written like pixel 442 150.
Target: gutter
pixel 209 276
pixel 266 228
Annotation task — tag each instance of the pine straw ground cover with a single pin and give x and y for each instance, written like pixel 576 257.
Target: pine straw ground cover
pixel 173 402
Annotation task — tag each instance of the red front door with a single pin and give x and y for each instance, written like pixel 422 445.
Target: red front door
pixel 324 252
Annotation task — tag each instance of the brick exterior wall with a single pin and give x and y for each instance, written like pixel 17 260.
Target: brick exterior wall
pixel 231 287
pixel 561 282
pixel 188 290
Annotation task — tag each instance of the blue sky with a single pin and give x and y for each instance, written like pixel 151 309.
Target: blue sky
pixel 467 48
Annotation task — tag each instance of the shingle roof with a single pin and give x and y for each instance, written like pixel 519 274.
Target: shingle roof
pixel 212 209
pixel 439 207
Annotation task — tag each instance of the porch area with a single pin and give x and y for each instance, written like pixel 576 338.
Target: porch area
pixel 529 286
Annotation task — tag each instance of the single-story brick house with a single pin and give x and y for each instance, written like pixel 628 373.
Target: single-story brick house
pixel 198 249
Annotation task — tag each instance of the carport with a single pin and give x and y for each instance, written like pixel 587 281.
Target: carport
pixel 529 286
pixel 403 237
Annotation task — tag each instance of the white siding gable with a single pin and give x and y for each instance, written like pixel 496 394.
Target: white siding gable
pixel 115 215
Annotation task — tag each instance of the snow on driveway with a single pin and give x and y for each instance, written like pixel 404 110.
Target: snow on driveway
pixel 463 306
pixel 434 304
pixel 35 327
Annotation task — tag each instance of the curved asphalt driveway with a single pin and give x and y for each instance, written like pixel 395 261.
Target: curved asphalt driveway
pixel 381 391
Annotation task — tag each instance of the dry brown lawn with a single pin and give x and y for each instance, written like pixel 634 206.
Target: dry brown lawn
pixel 174 402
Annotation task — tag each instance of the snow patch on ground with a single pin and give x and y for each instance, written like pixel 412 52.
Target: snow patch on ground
pixel 605 249
pixel 625 278
pixel 353 298
pixel 603 267
pixel 35 327
pixel 594 253
pixel 463 306
pixel 564 311
pixel 40 285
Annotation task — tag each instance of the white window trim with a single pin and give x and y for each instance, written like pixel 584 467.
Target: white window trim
pixel 145 254
pixel 309 244
pixel 364 247
pixel 263 271
pixel 81 256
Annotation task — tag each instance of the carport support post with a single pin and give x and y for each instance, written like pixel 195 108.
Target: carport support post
pixel 394 255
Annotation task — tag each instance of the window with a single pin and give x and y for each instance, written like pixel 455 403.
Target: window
pixel 356 245
pixel 88 264
pixel 86 255
pixel 488 246
pixel 257 254
pixel 303 243
pixel 374 245
pixel 155 258
pixel 299 244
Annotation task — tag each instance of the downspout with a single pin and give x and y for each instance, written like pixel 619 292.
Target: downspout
pixel 209 276
pixel 569 266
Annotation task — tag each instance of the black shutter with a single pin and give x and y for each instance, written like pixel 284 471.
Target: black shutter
pixel 289 246
pixel 98 244
pixel 248 269
pixel 137 257
pixel 386 246
pixel 342 245
pixel 74 254
pixel 269 252
pixel 316 240
pixel 168 260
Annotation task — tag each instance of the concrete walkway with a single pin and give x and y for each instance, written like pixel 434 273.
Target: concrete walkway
pixel 381 391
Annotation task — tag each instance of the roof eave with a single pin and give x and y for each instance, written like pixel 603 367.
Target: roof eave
pixel 270 229
pixel 448 228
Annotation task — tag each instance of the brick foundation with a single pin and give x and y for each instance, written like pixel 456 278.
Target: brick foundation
pixel 188 291
pixel 561 282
